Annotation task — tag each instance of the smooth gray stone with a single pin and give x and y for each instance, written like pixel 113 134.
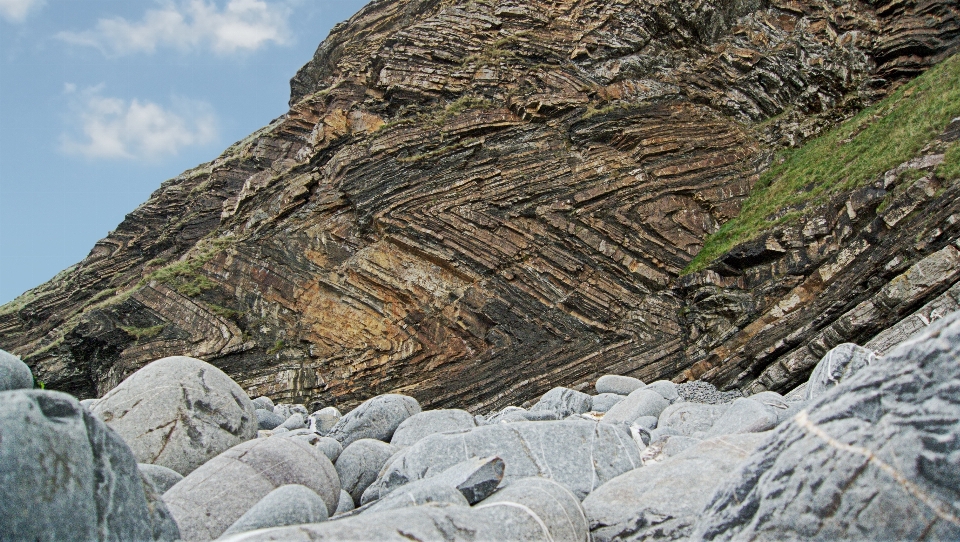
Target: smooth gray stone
pixel 375 418
pixel 667 389
pixel 330 448
pixel 475 478
pixel 605 401
pixel 647 422
pixel 837 365
pixel 578 454
pixel 211 498
pixel 874 458
pixel 286 410
pixel 661 501
pixel 294 422
pixel 324 420
pixel 264 403
pixel 345 504
pixel 621 385
pixel 279 430
pixel 418 493
pixel 745 415
pixel 676 444
pixel 783 408
pixel 662 432
pixel 14 374
pixel 508 415
pixel 66 476
pixel 563 402
pixel 642 402
pixel 178 412
pixel 555 506
pixel 359 464
pixel 161 477
pixel 541 416
pixel 429 422
pixel 691 419
pixel 291 504
pixel 266 419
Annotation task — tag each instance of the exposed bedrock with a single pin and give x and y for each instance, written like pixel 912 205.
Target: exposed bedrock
pixel 473 202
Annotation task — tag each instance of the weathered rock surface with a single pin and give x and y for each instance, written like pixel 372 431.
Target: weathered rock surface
pixel 605 401
pixel 642 402
pixel 621 385
pixel 324 420
pixel 579 455
pixel 839 364
pixel 267 419
pixel 745 415
pixel 429 422
pixel 66 476
pixel 502 195
pixel 14 374
pixel 359 464
pixel 874 457
pixel 287 505
pixel 178 412
pixel 375 418
pixel 690 419
pixel 563 402
pixel 211 498
pixel 161 477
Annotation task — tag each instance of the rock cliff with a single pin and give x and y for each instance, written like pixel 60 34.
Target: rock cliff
pixel 472 201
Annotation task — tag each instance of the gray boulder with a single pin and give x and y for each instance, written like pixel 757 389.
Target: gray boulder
pixel 14 374
pixel 66 476
pixel 621 385
pixel 745 415
pixel 211 498
pixel 647 422
pixel 474 478
pixel 563 402
pixel 556 509
pixel 666 389
pixel 605 401
pixel 345 504
pixel 642 402
pixel 285 410
pixel 674 445
pixel 691 419
pixel 291 504
pixel 542 416
pixel 418 493
pixel 294 422
pixel 429 422
pixel 577 454
pixel 359 464
pixel 510 414
pixel 376 418
pixel 179 412
pixel 161 477
pixel 837 365
pixel 330 447
pixel 324 420
pixel 660 433
pixel 264 403
pixel 873 458
pixel 267 419
pixel 784 408
pixel 661 501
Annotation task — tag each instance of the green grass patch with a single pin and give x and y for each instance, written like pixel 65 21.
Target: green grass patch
pixel 878 139
pixel 276 348
pixel 223 312
pixel 950 168
pixel 140 333
pixel 185 275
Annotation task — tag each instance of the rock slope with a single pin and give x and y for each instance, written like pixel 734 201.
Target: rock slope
pixel 471 202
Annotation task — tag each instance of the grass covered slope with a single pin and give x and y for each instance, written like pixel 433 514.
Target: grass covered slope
pixel 852 155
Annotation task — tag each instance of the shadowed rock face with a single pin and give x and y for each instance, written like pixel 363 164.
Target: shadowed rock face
pixel 472 202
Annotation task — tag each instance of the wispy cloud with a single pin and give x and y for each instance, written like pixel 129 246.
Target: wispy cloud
pixel 16 11
pixel 105 127
pixel 189 25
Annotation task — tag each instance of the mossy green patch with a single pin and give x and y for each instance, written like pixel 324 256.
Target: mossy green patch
pixel 185 274
pixel 950 168
pixel 141 333
pixel 878 139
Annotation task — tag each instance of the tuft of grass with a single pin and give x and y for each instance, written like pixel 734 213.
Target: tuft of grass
pixel 950 168
pixel 143 332
pixel 184 275
pixel 878 139
pixel 277 347
pixel 224 312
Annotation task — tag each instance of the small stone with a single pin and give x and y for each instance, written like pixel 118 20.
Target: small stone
pixel 286 410
pixel 429 422
pixel 647 422
pixel 541 416
pixel 661 433
pixel 554 506
pixel 621 385
pixel 605 401
pixel 345 504
pixel 291 504
pixel 691 419
pixel 642 402
pixel 359 464
pixel 676 444
pixel 510 414
pixel 161 477
pixel 418 493
pixel 837 365
pixel 475 478
pixel 14 374
pixel 563 402
pixel 745 415
pixel 179 412
pixel 324 420
pixel 330 447
pixel 667 389
pixel 376 418
pixel 267 420
pixel 264 403
pixel 295 421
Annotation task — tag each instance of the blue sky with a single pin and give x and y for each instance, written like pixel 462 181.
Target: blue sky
pixel 102 100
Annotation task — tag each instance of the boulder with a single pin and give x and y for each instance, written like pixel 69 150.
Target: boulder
pixel 676 444
pixel 211 498
pixel 621 385
pixel 661 501
pixel 14 374
pixel 835 366
pixel 330 447
pixel 66 476
pixel 375 418
pixel 510 414
pixel 577 454
pixel 345 504
pixel 690 419
pixel 542 416
pixel 179 412
pixel 666 389
pixel 161 477
pixel 642 402
pixel 263 403
pixel 291 504
pixel 563 402
pixel 267 419
pixel 286 410
pixel 872 458
pixel 359 464
pixel 556 509
pixel 475 478
pixel 429 422
pixel 605 401
pixel 324 420
pixel 294 422
pixel 745 415
pixel 418 493
pixel 782 407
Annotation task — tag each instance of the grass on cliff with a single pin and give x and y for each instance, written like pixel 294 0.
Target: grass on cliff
pixel 185 275
pixel 852 155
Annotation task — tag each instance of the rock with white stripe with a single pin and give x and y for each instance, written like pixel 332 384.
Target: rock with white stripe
pixel 836 366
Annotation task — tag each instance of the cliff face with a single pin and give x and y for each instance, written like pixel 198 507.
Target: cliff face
pixel 473 201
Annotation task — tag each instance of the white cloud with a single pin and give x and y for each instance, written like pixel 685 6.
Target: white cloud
pixel 15 11
pixel 188 25
pixel 107 127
